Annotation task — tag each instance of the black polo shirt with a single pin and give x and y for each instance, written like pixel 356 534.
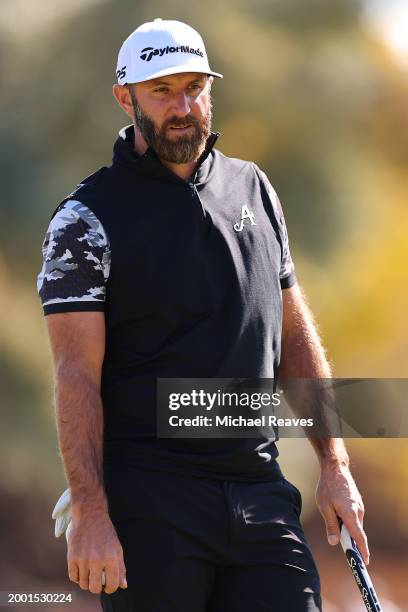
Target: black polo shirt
pixel 189 275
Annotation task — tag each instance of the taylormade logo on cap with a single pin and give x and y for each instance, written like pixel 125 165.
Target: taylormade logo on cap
pixel 148 53
pixel 159 48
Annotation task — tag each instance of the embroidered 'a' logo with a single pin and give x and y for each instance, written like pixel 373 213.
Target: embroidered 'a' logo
pixel 245 214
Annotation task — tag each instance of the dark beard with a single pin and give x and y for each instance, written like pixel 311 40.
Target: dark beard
pixel 181 151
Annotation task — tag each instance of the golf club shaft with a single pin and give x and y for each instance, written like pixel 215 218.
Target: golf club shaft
pixel 359 570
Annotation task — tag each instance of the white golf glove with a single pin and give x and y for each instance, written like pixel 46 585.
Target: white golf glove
pixel 62 516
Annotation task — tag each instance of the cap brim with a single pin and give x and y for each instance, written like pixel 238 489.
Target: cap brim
pixel 175 70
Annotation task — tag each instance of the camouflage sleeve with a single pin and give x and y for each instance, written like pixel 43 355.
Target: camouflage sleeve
pixel 287 268
pixel 76 261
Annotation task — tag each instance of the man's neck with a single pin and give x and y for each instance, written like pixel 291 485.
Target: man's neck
pixel 184 171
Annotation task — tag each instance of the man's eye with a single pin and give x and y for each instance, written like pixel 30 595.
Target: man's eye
pixel 161 89
pixel 194 86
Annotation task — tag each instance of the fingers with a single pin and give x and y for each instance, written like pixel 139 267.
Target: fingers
pixel 111 577
pixel 115 574
pixel 337 496
pixel 94 577
pixel 84 575
pixel 353 519
pixel 123 583
pixel 360 512
pixel 332 524
pixel 73 571
pixel 122 575
pixel 117 580
pixel 78 572
pixel 353 524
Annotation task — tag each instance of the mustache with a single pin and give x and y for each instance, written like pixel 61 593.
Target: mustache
pixel 178 122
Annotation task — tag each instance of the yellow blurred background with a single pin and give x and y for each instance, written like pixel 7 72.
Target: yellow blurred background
pixel 316 93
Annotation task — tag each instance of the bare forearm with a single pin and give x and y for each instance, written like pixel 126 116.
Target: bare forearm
pixel 303 370
pixel 79 418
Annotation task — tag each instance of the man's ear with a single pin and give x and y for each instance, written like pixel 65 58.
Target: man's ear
pixel 124 99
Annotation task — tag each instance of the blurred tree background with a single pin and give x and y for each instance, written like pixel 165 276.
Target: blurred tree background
pixel 316 93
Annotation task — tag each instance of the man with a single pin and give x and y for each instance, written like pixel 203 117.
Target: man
pixel 174 262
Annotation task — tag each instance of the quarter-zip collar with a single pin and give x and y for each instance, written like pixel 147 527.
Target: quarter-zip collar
pixel 149 165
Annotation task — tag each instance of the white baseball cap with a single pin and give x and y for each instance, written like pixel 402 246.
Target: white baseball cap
pixel 161 47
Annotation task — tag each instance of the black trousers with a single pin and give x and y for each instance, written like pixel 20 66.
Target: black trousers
pixel 204 545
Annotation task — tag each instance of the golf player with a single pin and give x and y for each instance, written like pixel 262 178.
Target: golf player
pixel 174 262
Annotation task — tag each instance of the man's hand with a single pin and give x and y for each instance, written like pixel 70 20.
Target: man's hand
pixel 93 546
pixel 337 496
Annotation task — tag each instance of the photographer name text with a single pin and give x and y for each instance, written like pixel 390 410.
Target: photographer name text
pixel 239 421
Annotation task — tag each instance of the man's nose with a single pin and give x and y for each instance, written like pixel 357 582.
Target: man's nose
pixel 181 104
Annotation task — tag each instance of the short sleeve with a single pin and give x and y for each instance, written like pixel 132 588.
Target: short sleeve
pixel 76 261
pixel 287 274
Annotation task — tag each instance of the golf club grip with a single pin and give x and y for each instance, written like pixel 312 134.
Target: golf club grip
pixel 359 570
